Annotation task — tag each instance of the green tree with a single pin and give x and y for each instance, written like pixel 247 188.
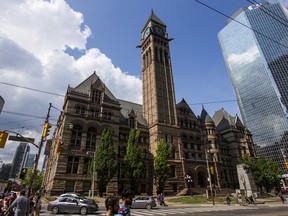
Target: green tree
pixel 264 172
pixel 37 182
pixel 133 162
pixel 162 168
pixel 105 163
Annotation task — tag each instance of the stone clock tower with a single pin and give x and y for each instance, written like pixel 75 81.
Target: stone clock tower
pixel 159 105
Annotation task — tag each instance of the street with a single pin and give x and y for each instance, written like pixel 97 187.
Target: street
pixel 256 210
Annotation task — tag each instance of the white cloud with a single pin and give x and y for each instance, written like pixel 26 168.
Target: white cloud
pixel 34 36
pixel 245 57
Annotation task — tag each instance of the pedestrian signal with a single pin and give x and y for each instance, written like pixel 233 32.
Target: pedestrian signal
pixel 59 146
pixel 3 138
pixel 212 170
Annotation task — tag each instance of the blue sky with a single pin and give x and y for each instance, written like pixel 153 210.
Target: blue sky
pixel 48 45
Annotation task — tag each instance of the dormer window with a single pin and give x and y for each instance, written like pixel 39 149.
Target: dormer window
pixel 96 96
pixel 132 122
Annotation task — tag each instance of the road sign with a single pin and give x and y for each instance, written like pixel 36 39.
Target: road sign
pixel 21 139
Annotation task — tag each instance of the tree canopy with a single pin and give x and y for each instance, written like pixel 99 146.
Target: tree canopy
pixel 162 168
pixel 133 162
pixel 264 172
pixel 37 182
pixel 105 163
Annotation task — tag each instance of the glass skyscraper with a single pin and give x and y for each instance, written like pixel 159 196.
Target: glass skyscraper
pixel 255 50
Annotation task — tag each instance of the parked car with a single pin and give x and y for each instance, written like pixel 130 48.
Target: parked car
pixel 72 205
pixel 147 202
pixel 78 197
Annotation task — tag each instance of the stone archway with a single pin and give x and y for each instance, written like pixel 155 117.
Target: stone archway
pixel 201 176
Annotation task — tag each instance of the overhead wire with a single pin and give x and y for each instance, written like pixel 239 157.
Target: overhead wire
pixel 265 9
pixel 254 30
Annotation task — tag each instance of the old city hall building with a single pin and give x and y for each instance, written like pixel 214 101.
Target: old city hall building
pixel 91 106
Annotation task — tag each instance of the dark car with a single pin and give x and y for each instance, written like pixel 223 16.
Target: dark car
pixel 72 205
pixel 147 202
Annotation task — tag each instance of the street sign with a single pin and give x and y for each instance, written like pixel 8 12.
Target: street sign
pixel 21 139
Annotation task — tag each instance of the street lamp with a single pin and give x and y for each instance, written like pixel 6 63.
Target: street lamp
pixel 190 181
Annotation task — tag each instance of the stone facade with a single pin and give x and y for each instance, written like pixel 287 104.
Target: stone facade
pixel 90 107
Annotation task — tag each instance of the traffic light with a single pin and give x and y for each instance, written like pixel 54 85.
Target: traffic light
pixel 3 138
pixel 23 173
pixel 59 146
pixel 286 165
pixel 212 170
pixel 46 129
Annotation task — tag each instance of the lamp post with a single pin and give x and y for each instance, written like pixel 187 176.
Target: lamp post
pixel 209 176
pixel 190 181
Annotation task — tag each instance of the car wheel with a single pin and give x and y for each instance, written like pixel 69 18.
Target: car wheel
pixel 55 210
pixel 149 206
pixel 83 211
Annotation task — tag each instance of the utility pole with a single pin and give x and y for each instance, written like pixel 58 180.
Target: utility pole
pixel 34 170
pixel 209 176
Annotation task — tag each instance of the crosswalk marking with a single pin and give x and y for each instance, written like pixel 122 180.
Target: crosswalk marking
pixel 174 211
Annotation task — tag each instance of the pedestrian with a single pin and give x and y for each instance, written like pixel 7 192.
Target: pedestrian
pixel 162 202
pixel 32 203
pixel 251 199
pixel 22 205
pixel 112 206
pixel 239 199
pixel 124 208
pixel 37 206
pixel 228 199
pixel 281 197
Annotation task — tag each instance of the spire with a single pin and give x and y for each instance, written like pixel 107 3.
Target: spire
pixel 205 117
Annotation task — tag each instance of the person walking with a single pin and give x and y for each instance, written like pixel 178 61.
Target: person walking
pixel 37 205
pixel 112 206
pixel 239 199
pixel 22 205
pixel 281 197
pixel 32 203
pixel 228 199
pixel 124 208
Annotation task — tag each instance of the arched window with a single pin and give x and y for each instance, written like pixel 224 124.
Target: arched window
pixel 91 137
pixel 76 136
pixel 156 54
pixel 149 56
pixel 161 56
pixel 143 61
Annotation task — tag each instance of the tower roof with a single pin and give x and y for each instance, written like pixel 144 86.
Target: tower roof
pixel 154 18
pixel 205 117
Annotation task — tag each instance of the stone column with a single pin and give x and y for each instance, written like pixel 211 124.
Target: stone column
pixel 246 180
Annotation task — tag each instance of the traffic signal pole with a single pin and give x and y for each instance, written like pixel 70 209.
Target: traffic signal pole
pixel 34 170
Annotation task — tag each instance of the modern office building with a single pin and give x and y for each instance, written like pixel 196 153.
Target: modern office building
pixel 90 107
pixel 254 44
pixel 30 160
pixel 20 159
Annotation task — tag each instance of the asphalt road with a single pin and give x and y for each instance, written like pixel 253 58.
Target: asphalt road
pixel 235 210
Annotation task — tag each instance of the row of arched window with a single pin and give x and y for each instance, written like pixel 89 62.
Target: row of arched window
pixel 77 133
pixel 160 56
pixel 93 112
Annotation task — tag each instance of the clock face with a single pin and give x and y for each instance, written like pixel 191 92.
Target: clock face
pixel 147 32
pixel 158 30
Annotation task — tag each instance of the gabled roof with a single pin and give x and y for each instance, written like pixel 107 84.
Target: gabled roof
pixel 84 88
pixel 184 104
pixel 220 114
pixel 154 18
pixel 205 117
pixel 238 121
pixel 129 108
